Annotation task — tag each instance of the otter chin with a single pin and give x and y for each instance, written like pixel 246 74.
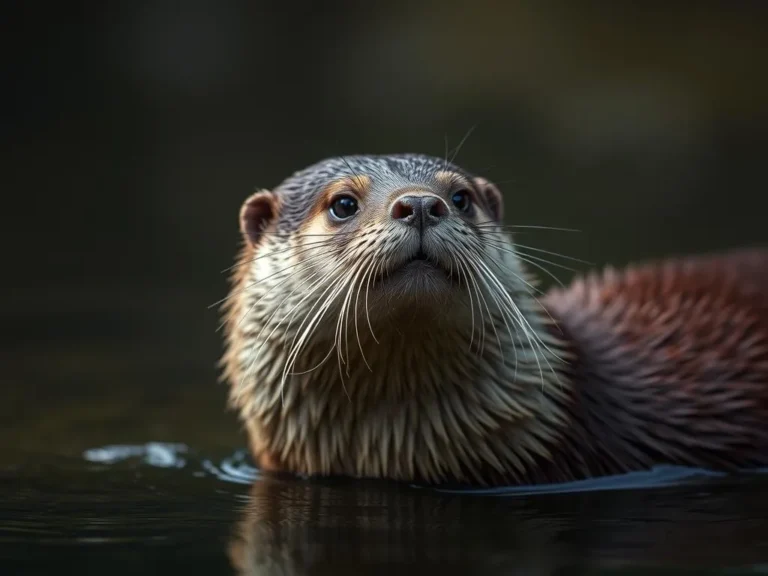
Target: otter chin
pixel 416 278
pixel 383 323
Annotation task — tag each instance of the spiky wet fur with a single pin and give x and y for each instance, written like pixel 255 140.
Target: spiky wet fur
pixel 431 406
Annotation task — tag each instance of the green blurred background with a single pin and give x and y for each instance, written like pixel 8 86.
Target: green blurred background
pixel 134 130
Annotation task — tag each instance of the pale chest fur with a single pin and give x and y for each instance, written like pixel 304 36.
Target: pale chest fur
pixel 418 401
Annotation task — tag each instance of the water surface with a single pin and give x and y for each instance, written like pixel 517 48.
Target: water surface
pixel 105 467
pixel 163 507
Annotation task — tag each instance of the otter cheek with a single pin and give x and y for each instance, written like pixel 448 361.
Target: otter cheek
pixel 317 247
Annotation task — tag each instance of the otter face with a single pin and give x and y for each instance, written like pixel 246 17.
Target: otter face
pixel 375 239
pixel 404 239
pixel 395 228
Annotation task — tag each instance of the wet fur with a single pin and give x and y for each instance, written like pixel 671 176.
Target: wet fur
pixel 671 362
pixel 416 397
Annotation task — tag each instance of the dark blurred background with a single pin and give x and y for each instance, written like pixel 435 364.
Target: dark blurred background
pixel 134 130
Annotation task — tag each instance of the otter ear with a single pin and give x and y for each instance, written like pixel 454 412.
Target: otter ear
pixel 492 198
pixel 256 214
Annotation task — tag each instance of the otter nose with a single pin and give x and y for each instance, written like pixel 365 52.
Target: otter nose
pixel 419 211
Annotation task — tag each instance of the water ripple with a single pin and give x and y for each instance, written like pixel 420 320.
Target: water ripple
pixel 238 468
pixel 235 468
pixel 157 454
pixel 657 477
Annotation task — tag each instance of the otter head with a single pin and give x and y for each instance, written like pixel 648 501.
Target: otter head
pixel 374 294
pixel 405 231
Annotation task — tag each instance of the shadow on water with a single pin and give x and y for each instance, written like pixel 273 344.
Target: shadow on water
pixel 157 508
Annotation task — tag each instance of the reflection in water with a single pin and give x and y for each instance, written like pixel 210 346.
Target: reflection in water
pixel 291 527
pixel 349 527
pixel 162 508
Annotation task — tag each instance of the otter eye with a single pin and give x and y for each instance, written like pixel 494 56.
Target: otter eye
pixel 462 200
pixel 344 208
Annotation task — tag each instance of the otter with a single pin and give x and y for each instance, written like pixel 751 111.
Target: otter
pixel 382 323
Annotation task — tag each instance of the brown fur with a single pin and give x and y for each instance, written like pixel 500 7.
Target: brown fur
pixel 672 362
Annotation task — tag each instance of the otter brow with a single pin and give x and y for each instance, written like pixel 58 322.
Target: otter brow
pixel 357 184
pixel 453 180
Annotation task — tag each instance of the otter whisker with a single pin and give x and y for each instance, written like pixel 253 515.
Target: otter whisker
pixel 359 275
pixel 490 224
pixel 353 174
pixel 344 313
pixel 480 300
pixel 445 162
pixel 520 249
pixel 307 263
pixel 255 354
pixel 291 235
pixel 256 303
pixel 498 304
pixel 316 366
pixel 504 317
pixel 225 322
pixel 563 256
pixel 471 303
pixel 500 286
pixel 373 274
pixel 349 278
pixel 289 315
pixel 297 346
pixel 528 285
pixel 463 277
pixel 280 250
pixel 530 259
pixel 271 316
pixel 519 254
pixel 527 328
pixel 490 314
pixel 337 339
pixel 368 269
pixel 542 268
pixel 544 308
pixel 461 142
pixel 531 288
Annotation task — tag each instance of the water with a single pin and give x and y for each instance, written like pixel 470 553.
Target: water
pixel 156 507
pixel 113 462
